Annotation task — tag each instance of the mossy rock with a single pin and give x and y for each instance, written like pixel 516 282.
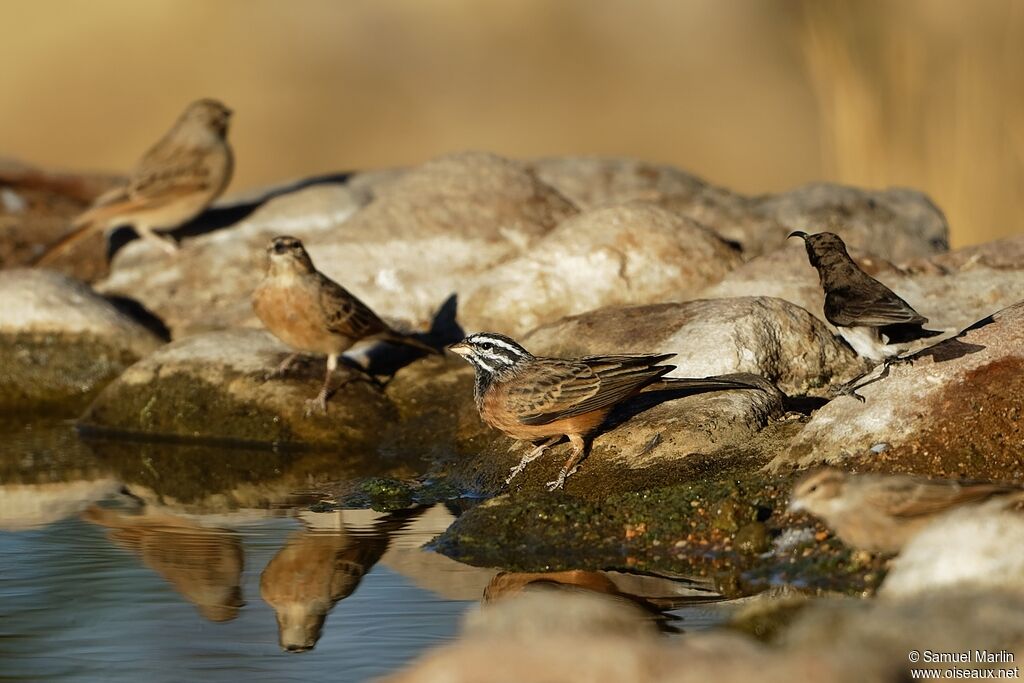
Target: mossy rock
pixel 213 388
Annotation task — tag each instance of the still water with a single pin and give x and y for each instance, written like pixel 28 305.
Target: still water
pixel 134 562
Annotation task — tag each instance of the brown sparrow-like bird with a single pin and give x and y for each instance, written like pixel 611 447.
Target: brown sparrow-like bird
pixel 313 314
pixel 881 512
pixel 173 183
pixel 541 400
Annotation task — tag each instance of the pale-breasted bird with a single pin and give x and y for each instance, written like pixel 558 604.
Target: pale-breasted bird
pixel 173 183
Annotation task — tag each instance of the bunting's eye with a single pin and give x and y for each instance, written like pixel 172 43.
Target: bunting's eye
pixel 487 346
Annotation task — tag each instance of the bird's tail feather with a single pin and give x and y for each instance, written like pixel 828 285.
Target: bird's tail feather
pixel 54 250
pixel 702 383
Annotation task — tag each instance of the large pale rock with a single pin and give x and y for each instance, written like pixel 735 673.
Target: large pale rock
pixel 466 211
pixel 586 637
pixel 595 182
pixel 762 335
pixel 866 638
pixel 954 412
pixel 60 342
pixel 625 254
pixel 896 224
pixel 975 547
pixel 213 387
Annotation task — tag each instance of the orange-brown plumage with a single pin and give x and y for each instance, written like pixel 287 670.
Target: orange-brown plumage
pixel 531 398
pixel 313 314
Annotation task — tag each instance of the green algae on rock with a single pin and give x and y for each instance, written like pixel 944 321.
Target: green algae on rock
pixel 717 530
pixel 60 343
pixel 214 387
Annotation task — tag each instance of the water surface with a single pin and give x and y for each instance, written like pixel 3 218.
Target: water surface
pixel 128 562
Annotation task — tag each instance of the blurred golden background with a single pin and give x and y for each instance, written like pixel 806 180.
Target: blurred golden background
pixel 759 95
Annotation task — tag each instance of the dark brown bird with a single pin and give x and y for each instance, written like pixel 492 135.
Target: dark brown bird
pixel 313 314
pixel 866 313
pixel 541 400
pixel 173 183
pixel 881 512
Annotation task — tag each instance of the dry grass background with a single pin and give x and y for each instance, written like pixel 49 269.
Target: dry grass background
pixel 758 95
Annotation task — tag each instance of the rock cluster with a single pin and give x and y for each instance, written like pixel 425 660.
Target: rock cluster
pixel 573 257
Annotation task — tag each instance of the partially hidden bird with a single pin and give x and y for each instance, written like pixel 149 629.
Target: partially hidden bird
pixel 881 512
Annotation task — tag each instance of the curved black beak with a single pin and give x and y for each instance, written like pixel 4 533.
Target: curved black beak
pixel 798 233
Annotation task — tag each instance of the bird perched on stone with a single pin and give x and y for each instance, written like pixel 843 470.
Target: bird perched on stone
pixel 867 314
pixel 173 183
pixel 313 314
pixel 881 512
pixel 541 400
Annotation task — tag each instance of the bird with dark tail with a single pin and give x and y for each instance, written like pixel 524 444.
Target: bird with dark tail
pixel 543 400
pixel 870 317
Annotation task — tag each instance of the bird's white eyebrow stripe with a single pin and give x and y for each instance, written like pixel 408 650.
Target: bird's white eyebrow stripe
pixel 503 344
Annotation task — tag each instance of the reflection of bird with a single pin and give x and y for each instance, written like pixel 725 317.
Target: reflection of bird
pixel 537 399
pixel 316 569
pixel 866 313
pixel 203 564
pixel 881 512
pixel 172 184
pixel 311 313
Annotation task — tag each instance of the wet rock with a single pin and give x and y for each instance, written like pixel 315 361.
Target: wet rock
pixel 952 290
pixel 628 254
pixel 762 335
pixel 213 386
pixel 973 548
pixel 36 208
pixel 896 224
pixel 466 211
pixel 60 342
pixel 595 182
pixel 955 412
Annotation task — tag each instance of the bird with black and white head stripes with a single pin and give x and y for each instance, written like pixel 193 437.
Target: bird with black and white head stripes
pixel 543 400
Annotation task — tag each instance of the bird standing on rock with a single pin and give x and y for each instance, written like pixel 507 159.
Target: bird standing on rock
pixel 867 314
pixel 542 400
pixel 314 314
pixel 881 512
pixel 172 184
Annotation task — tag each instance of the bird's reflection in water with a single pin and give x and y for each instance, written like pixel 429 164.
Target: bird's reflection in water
pixel 648 597
pixel 316 568
pixel 203 564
